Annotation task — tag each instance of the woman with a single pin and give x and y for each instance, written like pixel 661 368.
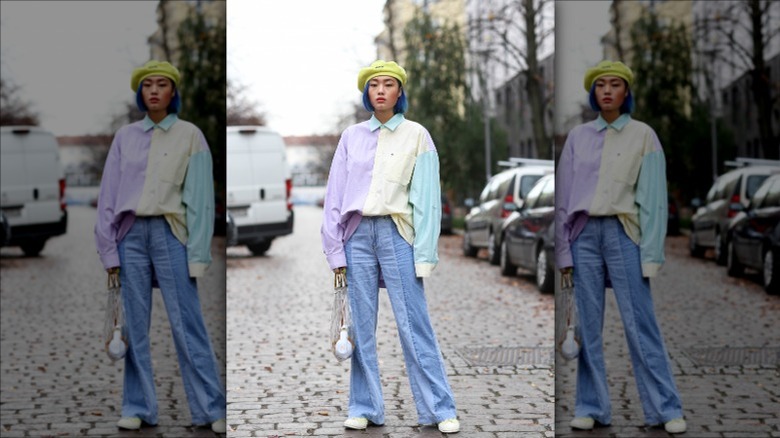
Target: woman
pixel 154 228
pixel 382 217
pixel 610 221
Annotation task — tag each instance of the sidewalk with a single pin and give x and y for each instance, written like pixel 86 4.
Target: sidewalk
pixel 723 337
pixel 284 381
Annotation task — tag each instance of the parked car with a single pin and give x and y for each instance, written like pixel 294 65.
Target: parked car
pixel 503 194
pixel 32 187
pixel 730 194
pixel 446 216
pixel 259 186
pixel 754 236
pixel 528 235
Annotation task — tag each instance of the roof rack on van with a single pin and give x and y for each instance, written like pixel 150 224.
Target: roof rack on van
pixel 744 162
pixel 516 161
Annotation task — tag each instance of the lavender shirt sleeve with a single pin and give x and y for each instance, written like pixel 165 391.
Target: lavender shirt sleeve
pixel 332 230
pixel 105 228
pixel 563 181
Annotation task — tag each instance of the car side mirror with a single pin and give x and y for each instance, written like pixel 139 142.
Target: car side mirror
pixel 469 202
pixel 696 203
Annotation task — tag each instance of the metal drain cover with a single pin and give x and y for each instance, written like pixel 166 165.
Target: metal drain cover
pixel 726 356
pixel 501 356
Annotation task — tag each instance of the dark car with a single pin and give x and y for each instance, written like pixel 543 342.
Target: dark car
pixel 729 194
pixel 754 236
pixel 505 192
pixel 529 235
pixel 446 216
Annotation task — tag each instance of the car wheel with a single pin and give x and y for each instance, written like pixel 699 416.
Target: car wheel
pixel 771 272
pixel 260 248
pixel 721 249
pixel 733 267
pixel 32 248
pixel 693 245
pixel 507 268
pixel 544 272
pixel 468 249
pixel 493 254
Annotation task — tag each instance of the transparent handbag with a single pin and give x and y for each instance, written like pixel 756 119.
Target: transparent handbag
pixel 113 329
pixel 567 339
pixel 340 320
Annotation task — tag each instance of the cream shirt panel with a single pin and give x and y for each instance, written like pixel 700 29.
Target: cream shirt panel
pixel 396 154
pixel 621 160
pixel 165 171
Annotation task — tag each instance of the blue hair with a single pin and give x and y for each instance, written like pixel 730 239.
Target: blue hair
pixel 173 107
pixel 400 106
pixel 626 107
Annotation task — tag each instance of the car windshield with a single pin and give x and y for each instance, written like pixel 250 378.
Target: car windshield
pixel 753 183
pixel 527 183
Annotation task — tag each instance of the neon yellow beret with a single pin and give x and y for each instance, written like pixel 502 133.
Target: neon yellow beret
pixel 608 68
pixel 154 68
pixel 380 68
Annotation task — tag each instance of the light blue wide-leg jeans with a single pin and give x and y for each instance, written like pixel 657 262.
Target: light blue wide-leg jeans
pixel 602 247
pixel 376 245
pixel 150 247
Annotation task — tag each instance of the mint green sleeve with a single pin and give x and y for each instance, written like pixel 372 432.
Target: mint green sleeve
pixel 198 198
pixel 425 198
pixel 651 196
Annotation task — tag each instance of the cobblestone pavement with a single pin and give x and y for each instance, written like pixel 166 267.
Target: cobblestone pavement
pixel 699 307
pixel 284 381
pixel 56 377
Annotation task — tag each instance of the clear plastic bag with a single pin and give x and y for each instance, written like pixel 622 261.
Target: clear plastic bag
pixel 567 338
pixel 113 330
pixel 341 321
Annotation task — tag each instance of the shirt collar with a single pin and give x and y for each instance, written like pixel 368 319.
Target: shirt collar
pixel 617 125
pixel 391 124
pixel 165 124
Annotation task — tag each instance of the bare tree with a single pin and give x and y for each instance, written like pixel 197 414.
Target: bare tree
pixel 240 109
pixel 746 29
pixel 519 26
pixel 389 19
pixel 14 110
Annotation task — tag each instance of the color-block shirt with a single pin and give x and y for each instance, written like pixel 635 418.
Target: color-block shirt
pixel 616 169
pixel 384 169
pixel 160 169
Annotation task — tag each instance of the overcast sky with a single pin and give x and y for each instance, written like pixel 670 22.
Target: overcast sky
pixel 73 59
pixel 300 58
pixel 579 26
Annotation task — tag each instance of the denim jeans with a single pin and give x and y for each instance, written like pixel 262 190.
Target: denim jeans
pixel 602 247
pixel 376 245
pixel 151 248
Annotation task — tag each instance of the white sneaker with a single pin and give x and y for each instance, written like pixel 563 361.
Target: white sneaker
pixel 131 423
pixel 675 426
pixel 449 426
pixel 582 423
pixel 357 423
pixel 219 426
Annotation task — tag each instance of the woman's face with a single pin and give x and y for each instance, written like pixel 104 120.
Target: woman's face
pixel 383 91
pixel 611 91
pixel 157 92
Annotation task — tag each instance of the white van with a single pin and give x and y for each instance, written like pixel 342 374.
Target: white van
pixel 32 187
pixel 258 187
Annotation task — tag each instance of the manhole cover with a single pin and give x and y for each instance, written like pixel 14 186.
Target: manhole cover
pixel 498 356
pixel 734 356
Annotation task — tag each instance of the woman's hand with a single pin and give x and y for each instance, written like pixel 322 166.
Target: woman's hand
pixel 567 277
pixel 340 277
pixel 113 277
